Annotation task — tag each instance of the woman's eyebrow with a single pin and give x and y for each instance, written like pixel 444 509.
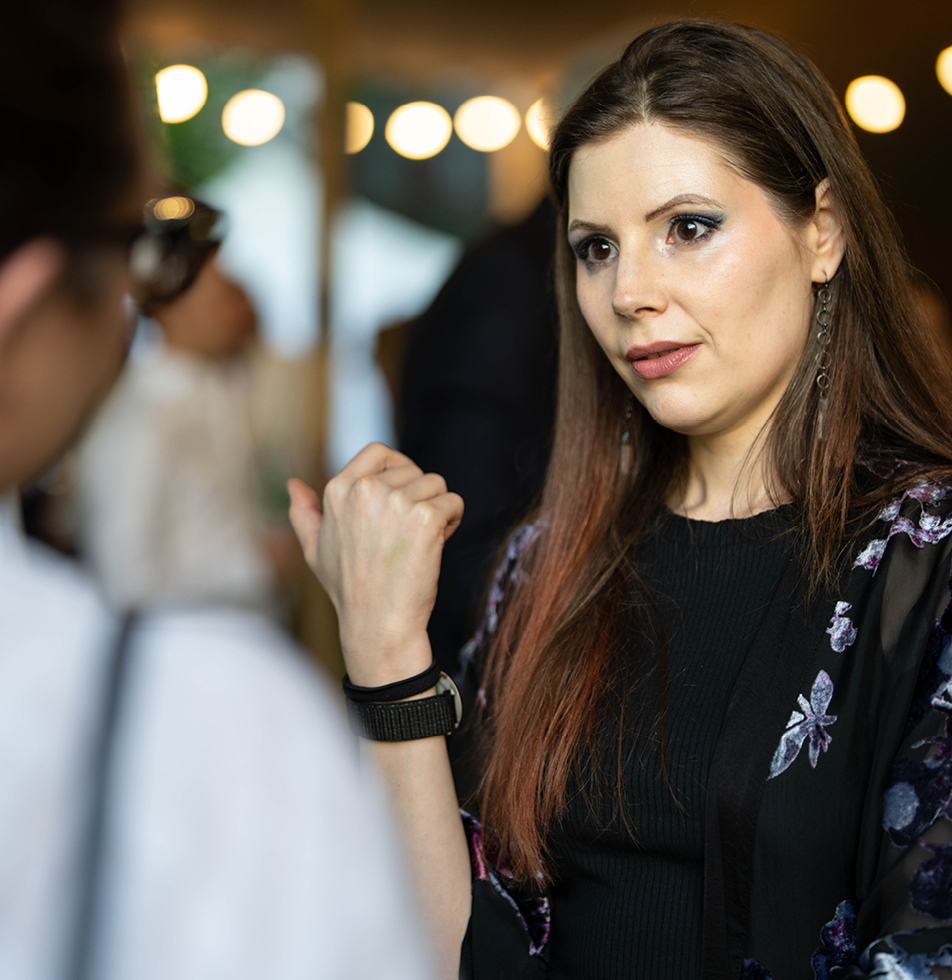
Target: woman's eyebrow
pixel 676 201
pixel 579 225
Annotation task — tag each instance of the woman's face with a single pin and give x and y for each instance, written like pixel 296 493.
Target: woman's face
pixel 56 366
pixel 697 291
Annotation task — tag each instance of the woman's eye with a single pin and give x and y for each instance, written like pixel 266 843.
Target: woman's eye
pixel 689 230
pixel 595 250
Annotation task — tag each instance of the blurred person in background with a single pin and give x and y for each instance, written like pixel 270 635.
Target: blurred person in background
pixel 708 714
pixel 477 405
pixel 170 501
pixel 178 796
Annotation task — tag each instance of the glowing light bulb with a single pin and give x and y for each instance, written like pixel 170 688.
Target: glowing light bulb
pixel 172 208
pixel 487 123
pixel 419 130
pixel 943 69
pixel 359 127
pixel 252 117
pixel 539 123
pixel 875 103
pixel 181 91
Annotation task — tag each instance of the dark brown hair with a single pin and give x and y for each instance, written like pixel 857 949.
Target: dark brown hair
pixel 69 153
pixel 554 660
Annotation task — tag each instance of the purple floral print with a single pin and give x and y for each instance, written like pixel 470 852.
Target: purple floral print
pixel 888 959
pixel 810 722
pixel 919 791
pixel 841 629
pixel 930 529
pixel 533 911
pixel 837 942
pixel 931 888
pixel 754 971
pixel 507 574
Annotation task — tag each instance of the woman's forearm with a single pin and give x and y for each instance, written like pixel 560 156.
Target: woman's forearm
pixel 418 776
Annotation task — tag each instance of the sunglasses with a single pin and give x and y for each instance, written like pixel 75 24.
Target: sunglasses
pixel 166 251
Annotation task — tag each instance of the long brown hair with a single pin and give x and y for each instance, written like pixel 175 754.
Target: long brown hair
pixel 555 658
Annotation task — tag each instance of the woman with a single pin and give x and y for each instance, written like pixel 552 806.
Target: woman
pixel 711 729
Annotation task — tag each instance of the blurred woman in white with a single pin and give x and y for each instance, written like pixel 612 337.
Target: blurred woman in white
pixel 183 803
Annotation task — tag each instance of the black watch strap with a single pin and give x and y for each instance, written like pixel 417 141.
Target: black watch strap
pixel 404 720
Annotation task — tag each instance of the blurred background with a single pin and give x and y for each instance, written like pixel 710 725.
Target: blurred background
pixel 359 150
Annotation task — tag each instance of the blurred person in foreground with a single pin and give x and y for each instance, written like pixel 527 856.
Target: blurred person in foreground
pixel 178 798
pixel 170 501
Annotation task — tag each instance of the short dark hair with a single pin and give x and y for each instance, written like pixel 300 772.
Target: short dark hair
pixel 68 150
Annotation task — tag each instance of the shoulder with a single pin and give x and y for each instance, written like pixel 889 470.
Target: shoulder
pixel 238 669
pixel 47 601
pixel 235 755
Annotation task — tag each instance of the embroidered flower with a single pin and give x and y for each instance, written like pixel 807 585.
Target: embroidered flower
pixel 871 555
pixel 920 790
pixel 837 942
pixel 931 889
pixel 754 971
pixel 841 629
pixel 931 528
pixel 888 959
pixel 810 722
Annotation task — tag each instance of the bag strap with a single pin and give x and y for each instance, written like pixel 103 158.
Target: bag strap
pixel 89 870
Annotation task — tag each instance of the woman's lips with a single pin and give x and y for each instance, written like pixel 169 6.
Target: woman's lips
pixel 660 359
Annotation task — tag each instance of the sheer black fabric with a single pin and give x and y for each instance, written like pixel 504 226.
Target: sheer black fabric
pixel 828 813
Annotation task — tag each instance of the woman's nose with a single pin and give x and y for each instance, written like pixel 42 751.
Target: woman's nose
pixel 639 287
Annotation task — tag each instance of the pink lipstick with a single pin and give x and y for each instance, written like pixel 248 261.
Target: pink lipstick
pixel 659 359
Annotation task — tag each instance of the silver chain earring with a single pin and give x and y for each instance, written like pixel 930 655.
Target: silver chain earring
pixel 823 354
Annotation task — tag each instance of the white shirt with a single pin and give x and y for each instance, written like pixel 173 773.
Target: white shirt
pixel 166 487
pixel 241 844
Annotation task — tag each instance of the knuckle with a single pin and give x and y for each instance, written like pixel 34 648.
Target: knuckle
pixel 425 514
pixel 438 482
pixel 364 487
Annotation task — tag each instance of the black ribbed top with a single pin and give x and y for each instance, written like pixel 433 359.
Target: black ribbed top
pixel 625 907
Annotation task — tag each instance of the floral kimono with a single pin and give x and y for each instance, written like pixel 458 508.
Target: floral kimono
pixel 828 821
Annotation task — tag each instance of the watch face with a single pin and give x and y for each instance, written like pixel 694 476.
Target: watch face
pixel 445 683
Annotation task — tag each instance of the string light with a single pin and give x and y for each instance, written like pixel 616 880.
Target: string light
pixel 252 117
pixel 487 123
pixel 943 69
pixel 538 123
pixel 359 127
pixel 181 91
pixel 875 103
pixel 419 130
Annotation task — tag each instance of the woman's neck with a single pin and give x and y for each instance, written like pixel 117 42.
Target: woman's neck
pixel 726 479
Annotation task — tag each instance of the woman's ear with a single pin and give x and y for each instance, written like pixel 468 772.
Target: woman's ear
pixel 26 275
pixel 825 237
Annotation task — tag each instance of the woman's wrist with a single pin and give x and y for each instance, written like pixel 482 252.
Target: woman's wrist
pixel 386 662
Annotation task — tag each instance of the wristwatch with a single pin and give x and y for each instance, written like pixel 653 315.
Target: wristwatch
pixel 403 721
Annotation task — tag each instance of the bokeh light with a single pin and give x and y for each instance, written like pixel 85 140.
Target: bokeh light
pixel 419 130
pixel 539 123
pixel 181 91
pixel 943 69
pixel 172 208
pixel 359 127
pixel 487 123
pixel 875 103
pixel 252 117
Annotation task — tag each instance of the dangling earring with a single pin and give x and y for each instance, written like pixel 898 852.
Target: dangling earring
pixel 823 354
pixel 626 429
